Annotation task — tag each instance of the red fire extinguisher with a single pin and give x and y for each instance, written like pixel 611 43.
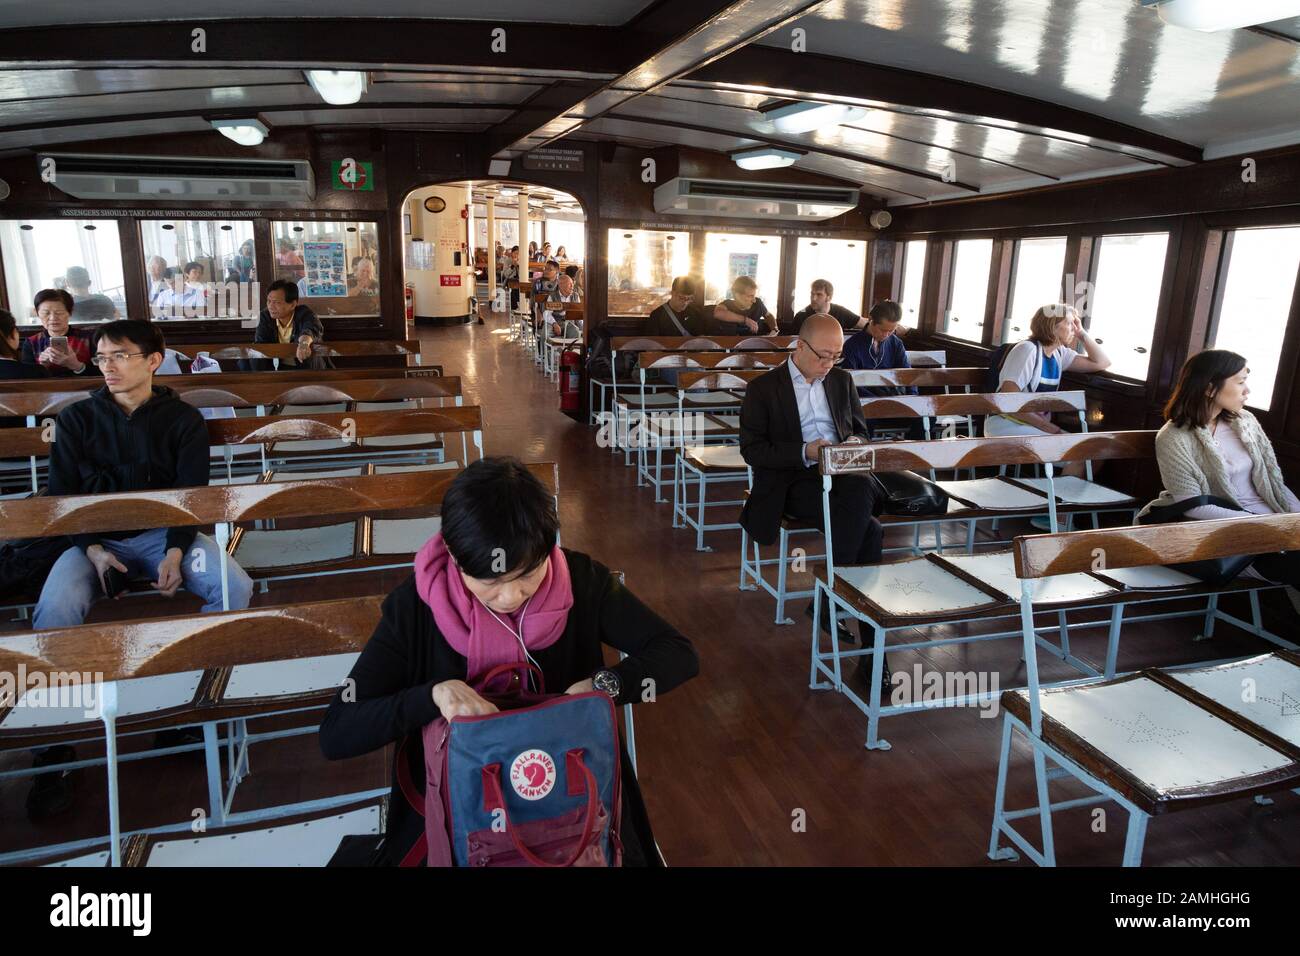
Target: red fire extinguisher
pixel 410 303
pixel 570 380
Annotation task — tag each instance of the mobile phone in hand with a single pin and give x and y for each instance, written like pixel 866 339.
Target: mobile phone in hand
pixel 114 582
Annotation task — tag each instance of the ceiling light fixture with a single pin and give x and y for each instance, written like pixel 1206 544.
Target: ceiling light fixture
pixel 768 157
pixel 245 132
pixel 338 87
pixel 1212 15
pixel 791 117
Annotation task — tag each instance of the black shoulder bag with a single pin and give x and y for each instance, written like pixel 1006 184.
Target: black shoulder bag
pixel 1214 571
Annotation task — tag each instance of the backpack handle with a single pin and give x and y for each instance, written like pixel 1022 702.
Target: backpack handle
pixel 514 667
pixel 493 798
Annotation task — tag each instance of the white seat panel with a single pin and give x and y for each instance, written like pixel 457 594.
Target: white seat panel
pixel 288 474
pixel 710 398
pixel 1149 578
pixel 88 859
pixel 402 535
pixel 1264 689
pixel 998 570
pixel 1161 738
pixel 913 587
pixel 425 466
pixel 657 399
pixel 64 705
pixel 295 844
pixel 716 456
pixel 278 549
pixel 387 406
pixel 322 444
pixel 1076 491
pixel 382 441
pixel 994 494
pixel 325 409
pixel 276 678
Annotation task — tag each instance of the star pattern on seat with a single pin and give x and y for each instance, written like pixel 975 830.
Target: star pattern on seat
pixel 1143 730
pixel 908 588
pixel 1287 705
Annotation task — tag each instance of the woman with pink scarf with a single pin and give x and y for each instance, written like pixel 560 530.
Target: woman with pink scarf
pixel 493 587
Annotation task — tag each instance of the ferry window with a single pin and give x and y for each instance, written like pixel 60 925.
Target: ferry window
pixel 842 262
pixel 1258 279
pixel 909 296
pixel 200 268
pixel 83 256
pixel 569 236
pixel 729 255
pixel 1036 282
pixel 334 263
pixel 642 265
pixel 964 318
pixel 1121 313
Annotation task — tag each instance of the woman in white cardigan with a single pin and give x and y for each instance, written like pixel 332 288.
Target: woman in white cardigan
pixel 1211 446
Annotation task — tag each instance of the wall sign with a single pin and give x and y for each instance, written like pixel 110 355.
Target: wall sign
pixel 324 264
pixel 556 158
pixel 360 179
pixel 448 280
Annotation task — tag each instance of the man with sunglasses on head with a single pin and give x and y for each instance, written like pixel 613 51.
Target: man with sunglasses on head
pixel 787 417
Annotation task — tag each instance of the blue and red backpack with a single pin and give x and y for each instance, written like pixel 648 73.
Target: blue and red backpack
pixel 536 784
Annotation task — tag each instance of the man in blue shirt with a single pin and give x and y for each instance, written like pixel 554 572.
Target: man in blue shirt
pixel 877 347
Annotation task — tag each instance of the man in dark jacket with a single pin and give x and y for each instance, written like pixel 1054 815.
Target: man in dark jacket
pixel 286 320
pixel 131 435
pixel 879 347
pixel 679 315
pixel 788 415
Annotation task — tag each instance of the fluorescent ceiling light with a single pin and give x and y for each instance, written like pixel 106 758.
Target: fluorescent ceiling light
pixel 507 191
pixel 769 157
pixel 1211 15
pixel 551 207
pixel 245 132
pixel 339 87
pixel 806 117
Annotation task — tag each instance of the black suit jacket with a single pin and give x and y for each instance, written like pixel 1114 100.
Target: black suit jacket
pixel 772 442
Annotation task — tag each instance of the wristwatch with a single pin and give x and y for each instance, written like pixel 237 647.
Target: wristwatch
pixel 607 681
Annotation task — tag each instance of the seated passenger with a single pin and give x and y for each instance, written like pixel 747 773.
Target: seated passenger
pixel 679 315
pixel 11 355
pixel 822 290
pixel 1038 364
pixel 543 286
pixel 1215 460
pixel 88 306
pixel 787 416
pixel 564 292
pixel 877 347
pixel 561 254
pixel 744 313
pixel 59 351
pixel 156 279
pixel 184 301
pixel 286 320
pixel 366 283
pixel 494 588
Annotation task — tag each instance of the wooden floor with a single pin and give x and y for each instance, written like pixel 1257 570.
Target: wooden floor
pixel 730 762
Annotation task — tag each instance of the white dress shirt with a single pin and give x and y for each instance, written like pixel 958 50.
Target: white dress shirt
pixel 815 420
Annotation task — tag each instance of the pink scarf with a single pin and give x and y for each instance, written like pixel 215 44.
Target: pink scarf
pixel 470 627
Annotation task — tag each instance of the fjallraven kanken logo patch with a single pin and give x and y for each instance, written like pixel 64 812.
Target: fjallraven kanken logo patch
pixel 533 774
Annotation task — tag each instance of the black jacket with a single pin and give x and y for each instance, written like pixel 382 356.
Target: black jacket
pixel 305 322
pixel 407 655
pixel 34 345
pixel 772 443
pixel 98 449
pixel 659 322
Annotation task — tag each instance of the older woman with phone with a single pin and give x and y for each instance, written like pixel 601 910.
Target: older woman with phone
pixel 58 350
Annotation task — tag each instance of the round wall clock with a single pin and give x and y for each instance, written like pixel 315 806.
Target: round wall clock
pixel 435 204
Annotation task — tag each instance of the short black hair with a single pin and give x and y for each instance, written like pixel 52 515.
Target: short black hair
pixel 685 285
pixel 145 336
pixel 886 310
pixel 77 275
pixel 191 266
pixel 7 326
pixel 552 264
pixel 289 288
pixel 571 272
pixel 498 519
pixel 50 295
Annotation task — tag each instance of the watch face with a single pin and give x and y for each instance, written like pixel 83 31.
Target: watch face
pixel 606 681
pixel 435 204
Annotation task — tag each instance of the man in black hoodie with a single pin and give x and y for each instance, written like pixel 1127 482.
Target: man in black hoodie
pixel 131 435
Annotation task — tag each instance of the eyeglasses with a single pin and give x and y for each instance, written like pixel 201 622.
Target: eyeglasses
pixel 835 358
pixel 115 358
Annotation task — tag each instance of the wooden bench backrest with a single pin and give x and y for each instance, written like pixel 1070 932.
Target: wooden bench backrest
pixel 710 359
pixel 50 515
pixel 704 378
pixel 975 452
pixel 120 650
pixel 265 429
pixel 918 376
pixel 1043 555
pixel 931 359
pixel 700 343
pixel 263 390
pixel 253 350
pixel 973 403
pixel 285 377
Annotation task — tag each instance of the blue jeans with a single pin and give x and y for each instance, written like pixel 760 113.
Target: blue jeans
pixel 73 586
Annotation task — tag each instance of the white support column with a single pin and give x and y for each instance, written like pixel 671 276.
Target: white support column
pixel 492 284
pixel 525 300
